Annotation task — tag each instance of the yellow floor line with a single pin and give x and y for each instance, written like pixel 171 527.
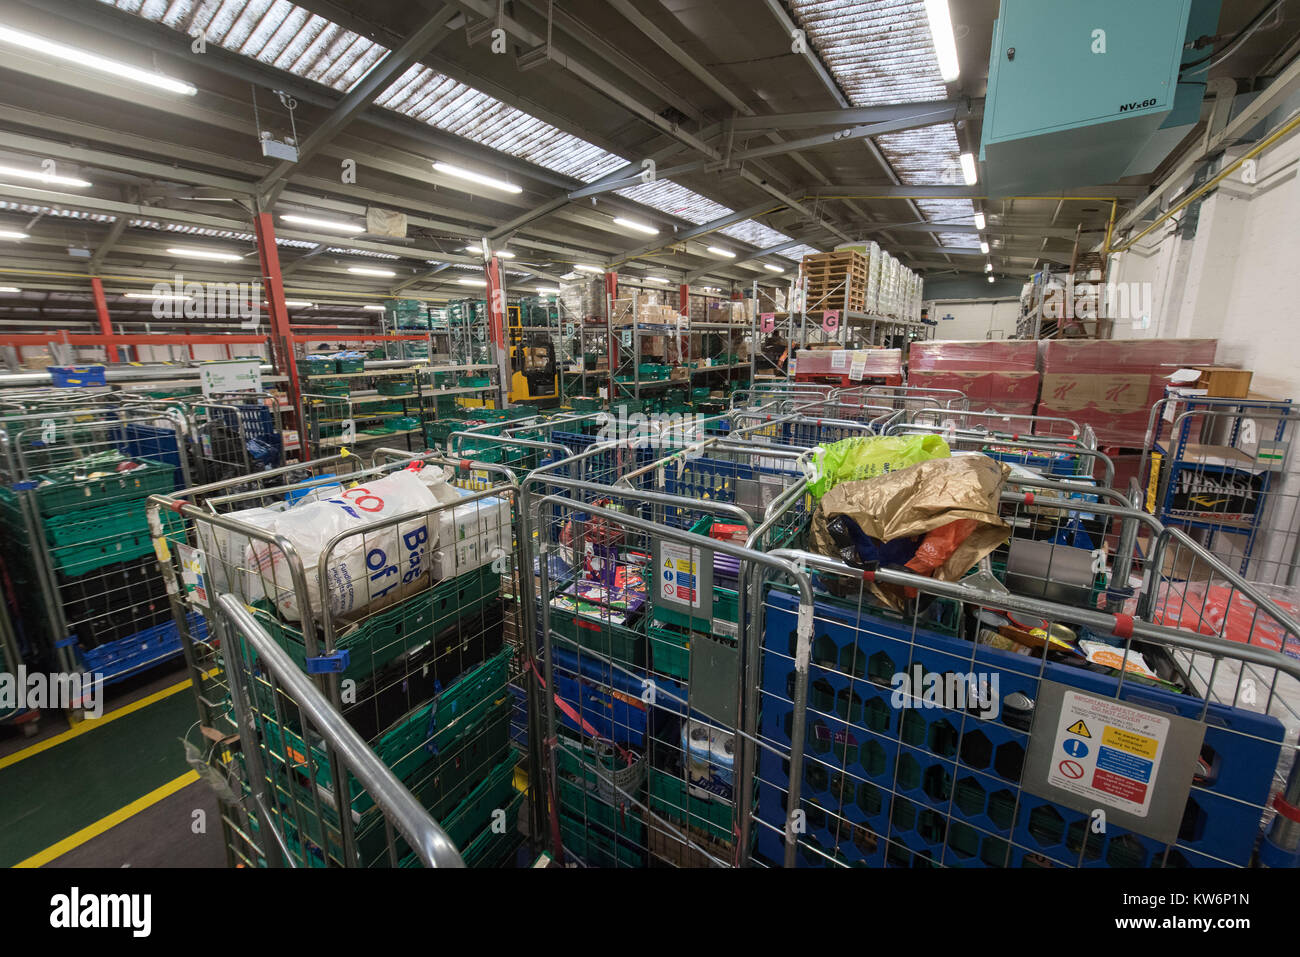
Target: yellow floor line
pixel 42 858
pixel 81 727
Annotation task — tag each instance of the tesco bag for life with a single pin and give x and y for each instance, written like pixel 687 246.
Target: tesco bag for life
pixel 370 569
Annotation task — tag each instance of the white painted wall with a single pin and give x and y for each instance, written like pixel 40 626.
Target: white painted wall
pixel 1237 280
pixel 975 319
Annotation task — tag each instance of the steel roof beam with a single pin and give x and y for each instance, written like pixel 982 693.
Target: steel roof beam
pixel 359 98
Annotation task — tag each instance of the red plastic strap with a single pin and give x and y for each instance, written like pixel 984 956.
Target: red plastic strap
pixel 1123 626
pixel 1289 811
pixel 177 505
pixel 869 575
pixel 465 464
pixel 1029 498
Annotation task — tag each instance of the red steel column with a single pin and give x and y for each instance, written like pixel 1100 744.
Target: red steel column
pixel 101 309
pixel 281 335
pixel 496 300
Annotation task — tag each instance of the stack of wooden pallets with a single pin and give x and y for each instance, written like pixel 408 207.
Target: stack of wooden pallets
pixel 836 280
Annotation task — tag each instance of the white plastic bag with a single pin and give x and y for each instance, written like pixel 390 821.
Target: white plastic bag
pixel 366 571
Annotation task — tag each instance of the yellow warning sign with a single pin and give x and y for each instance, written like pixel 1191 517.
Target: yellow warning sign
pixel 1080 729
pixel 1138 744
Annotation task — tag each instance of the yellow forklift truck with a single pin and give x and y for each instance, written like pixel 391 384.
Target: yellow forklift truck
pixel 533 369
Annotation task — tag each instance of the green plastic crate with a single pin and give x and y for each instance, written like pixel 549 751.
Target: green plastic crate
pixel 670 651
pixel 350 364
pixel 96 524
pixel 396 386
pixel 383 636
pixel 597 849
pixel 67 493
pixel 617 642
pixel 491 848
pixel 670 798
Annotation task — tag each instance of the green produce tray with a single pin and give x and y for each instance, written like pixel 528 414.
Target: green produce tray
pixel 597 849
pixel 670 651
pixel 96 524
pixel 383 636
pixel 617 642
pixel 68 494
pixel 398 386
pixel 348 366
pixel 670 798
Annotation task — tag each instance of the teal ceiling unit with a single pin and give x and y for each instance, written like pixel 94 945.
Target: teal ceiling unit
pixel 1078 87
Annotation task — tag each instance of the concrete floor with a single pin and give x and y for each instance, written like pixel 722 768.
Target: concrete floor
pixel 113 792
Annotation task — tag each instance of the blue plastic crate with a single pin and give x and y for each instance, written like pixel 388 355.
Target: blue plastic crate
pixel 77 377
pixel 953 778
pixel 117 659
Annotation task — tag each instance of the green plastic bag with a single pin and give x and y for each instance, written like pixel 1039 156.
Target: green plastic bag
pixel 855 459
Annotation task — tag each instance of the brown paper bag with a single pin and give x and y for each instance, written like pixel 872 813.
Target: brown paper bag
pixel 916 500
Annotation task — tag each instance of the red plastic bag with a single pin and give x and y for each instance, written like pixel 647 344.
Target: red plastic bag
pixel 939 544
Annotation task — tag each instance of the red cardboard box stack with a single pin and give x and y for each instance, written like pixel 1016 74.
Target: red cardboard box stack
pixel 881 366
pixel 1111 384
pixel 993 374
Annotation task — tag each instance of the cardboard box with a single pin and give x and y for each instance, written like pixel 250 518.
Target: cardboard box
pixel 1223 381
pixel 976 355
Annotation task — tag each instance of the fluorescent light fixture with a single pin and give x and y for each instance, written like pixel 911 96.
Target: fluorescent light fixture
pixel 477 251
pixel 633 224
pixel 719 251
pixel 968 168
pixel 588 268
pixel 90 61
pixel 988 267
pixel 11 234
pixel 548 290
pixel 40 176
pixel 991 279
pixel 157 297
pixel 769 266
pixel 980 221
pixel 330 225
pixel 299 303
pixel 477 178
pixel 368 271
pixel 945 44
pixel 472 282
pixel 373 308
pixel 212 254
pixel 10 289
pixel 659 279
pixel 984 247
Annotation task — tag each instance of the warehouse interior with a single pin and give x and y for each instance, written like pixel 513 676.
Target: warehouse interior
pixel 649 434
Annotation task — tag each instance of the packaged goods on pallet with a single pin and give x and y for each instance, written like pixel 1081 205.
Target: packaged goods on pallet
pixel 1112 384
pixel 583 299
pixel 1014 393
pixel 738 312
pixel 976 355
pixel 852 365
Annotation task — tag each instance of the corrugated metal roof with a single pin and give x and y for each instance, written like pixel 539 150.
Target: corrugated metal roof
pixel 286 36
pixel 38 210
pixel 880 51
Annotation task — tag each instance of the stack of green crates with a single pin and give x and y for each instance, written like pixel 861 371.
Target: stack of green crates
pixel 600 833
pixel 406 314
pixel 397 385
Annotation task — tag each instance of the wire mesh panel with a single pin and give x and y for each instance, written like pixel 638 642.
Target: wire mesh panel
pixel 282 807
pixel 78 554
pixel 1221 470
pixel 642 632
pixel 1003 424
pixel 940 720
pixel 387 585
pixel 235 434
